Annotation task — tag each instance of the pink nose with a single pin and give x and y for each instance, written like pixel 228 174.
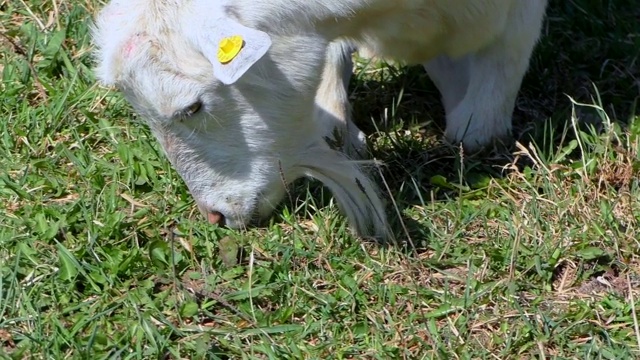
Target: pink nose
pixel 215 218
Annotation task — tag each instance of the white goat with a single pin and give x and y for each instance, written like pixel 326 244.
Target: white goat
pixel 241 94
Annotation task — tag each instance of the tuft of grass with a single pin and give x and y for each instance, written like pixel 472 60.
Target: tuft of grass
pixel 526 252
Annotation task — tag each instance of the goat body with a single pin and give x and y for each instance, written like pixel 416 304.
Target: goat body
pixel 242 95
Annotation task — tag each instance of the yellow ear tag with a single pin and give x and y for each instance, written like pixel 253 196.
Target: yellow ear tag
pixel 229 48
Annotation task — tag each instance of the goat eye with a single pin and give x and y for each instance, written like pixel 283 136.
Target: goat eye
pixel 193 109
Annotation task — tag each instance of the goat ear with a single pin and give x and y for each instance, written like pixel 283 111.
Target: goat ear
pixel 230 47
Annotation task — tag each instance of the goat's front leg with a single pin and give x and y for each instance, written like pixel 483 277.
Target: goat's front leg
pixel 479 90
pixel 333 112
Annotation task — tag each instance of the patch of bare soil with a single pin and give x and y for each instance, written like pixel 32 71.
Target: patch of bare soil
pixel 7 345
pixel 609 282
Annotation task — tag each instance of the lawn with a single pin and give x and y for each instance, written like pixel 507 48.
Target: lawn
pixel 523 251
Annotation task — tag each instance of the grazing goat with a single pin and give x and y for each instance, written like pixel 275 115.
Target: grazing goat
pixel 243 95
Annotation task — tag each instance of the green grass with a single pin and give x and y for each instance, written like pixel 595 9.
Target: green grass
pixel 526 252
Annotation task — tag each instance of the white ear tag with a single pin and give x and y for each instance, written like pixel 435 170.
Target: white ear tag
pixel 233 48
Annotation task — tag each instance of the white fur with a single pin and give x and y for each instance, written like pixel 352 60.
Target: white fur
pixel 267 128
